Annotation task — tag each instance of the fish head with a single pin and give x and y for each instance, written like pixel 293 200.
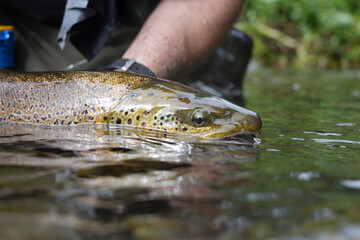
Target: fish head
pixel 172 107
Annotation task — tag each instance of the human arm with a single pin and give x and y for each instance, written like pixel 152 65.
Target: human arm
pixel 180 34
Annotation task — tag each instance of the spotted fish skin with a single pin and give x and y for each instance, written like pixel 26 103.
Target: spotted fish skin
pixel 70 98
pixel 62 98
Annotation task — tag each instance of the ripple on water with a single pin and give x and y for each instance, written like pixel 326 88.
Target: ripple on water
pixel 324 140
pixel 323 133
pixel 353 184
pixel 346 124
pixel 304 176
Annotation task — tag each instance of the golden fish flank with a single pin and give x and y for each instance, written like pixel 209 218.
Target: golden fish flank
pixel 67 98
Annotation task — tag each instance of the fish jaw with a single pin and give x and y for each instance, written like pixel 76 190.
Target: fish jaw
pixel 229 120
pixel 240 125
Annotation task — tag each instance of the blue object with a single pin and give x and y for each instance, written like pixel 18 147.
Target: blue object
pixel 7 40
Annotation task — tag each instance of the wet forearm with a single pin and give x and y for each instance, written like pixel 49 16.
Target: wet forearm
pixel 180 34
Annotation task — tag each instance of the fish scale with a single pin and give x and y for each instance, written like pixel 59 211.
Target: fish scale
pixel 64 99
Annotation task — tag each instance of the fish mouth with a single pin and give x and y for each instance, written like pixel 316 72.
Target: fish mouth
pixel 254 124
pixel 248 126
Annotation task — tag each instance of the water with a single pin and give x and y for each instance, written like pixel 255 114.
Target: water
pixel 301 182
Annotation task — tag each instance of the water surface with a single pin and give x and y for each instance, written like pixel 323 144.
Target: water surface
pixel 299 180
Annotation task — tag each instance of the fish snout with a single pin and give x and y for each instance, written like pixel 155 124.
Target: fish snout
pixel 250 123
pixel 255 124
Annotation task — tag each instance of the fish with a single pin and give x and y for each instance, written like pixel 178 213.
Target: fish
pixel 120 98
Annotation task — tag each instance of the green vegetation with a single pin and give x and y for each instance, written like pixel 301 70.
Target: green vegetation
pixel 299 33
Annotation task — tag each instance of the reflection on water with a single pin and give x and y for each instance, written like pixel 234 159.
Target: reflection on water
pixel 301 181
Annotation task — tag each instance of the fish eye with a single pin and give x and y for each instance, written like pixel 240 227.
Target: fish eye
pixel 198 119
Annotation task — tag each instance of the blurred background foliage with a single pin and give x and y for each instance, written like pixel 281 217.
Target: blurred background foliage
pixel 303 33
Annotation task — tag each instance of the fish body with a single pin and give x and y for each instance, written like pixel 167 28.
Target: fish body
pixel 70 98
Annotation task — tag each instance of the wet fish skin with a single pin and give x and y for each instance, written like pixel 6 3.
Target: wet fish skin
pixel 70 98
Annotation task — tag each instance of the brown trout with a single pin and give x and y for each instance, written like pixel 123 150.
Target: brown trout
pixel 70 98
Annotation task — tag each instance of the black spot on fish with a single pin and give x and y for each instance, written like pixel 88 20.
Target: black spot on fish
pixel 162 118
pixel 185 129
pixel 105 118
pixel 69 123
pixel 118 121
pixel 137 117
pixel 56 122
pixel 49 115
pixel 128 86
pixel 129 121
pixel 132 110
pixel 146 113
pixel 143 124
pixel 35 116
pixel 62 122
pixel 155 117
pixel 126 113
pixel 75 113
pixel 37 121
pixel 154 124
